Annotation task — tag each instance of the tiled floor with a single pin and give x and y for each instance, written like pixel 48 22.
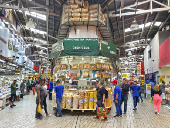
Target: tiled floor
pixel 22 116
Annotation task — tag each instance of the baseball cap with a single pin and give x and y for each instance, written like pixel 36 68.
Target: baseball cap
pixel 115 81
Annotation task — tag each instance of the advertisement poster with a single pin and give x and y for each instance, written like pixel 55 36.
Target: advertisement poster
pixel 148 90
pixel 161 78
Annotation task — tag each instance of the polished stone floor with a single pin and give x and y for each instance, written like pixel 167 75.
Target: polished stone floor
pixel 22 116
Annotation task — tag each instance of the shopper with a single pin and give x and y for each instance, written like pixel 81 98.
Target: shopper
pixel 152 86
pixel 50 89
pixel 22 87
pixel 59 89
pixel 100 97
pixel 40 97
pixel 44 101
pixel 117 98
pixel 13 93
pixel 34 86
pixel 162 87
pixel 28 85
pixel 135 90
pixel 141 94
pixel 157 98
pixel 124 94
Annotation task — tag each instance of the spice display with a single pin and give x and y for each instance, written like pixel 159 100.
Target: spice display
pixel 81 99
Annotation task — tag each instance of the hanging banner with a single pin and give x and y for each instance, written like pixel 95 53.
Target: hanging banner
pixel 108 47
pixel 81 44
pixel 148 90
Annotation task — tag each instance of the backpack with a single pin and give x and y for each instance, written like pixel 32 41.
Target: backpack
pixel 106 94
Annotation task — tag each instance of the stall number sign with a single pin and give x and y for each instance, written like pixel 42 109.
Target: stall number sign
pixel 81 44
pixel 108 47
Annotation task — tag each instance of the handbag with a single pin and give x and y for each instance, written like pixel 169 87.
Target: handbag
pixel 150 100
pixel 39 108
pixel 102 112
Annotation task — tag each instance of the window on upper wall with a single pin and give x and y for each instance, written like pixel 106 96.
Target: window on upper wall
pixel 149 54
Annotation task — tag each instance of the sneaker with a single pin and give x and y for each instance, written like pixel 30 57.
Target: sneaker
pixel 156 112
pixel 48 114
pixel 60 116
pixel 13 105
pixel 95 117
pixel 55 114
pixel 104 120
pixel 116 116
pixel 142 100
pixel 135 109
pixel 38 118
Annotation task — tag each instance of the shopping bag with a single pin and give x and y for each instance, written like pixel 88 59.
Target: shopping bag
pixel 39 108
pixel 142 95
pixel 102 112
pixel 150 100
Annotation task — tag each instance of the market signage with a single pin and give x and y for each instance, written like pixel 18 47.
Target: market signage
pixel 81 44
pixel 57 47
pixel 108 47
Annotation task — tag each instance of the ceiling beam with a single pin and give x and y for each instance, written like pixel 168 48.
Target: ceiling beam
pixel 123 21
pixel 161 26
pixel 28 9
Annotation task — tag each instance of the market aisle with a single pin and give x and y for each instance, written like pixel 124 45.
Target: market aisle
pixel 22 116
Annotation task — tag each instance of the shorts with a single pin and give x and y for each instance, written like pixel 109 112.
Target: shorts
pixel 12 97
pixel 163 96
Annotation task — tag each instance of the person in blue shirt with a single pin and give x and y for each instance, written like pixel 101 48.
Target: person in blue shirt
pixel 135 91
pixel 117 99
pixel 152 87
pixel 59 89
pixel 50 89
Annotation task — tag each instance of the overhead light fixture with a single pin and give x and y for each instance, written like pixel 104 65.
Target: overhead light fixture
pixel 129 53
pixel 158 23
pixel 2 61
pixel 36 15
pixel 30 23
pixel 36 30
pixel 134 25
pixel 131 46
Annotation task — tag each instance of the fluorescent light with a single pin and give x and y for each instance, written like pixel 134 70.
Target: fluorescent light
pixel 36 30
pixel 158 23
pixel 131 49
pixel 40 47
pixel 136 41
pixel 6 22
pixel 42 41
pixel 128 30
pixel 1 27
pixel 36 15
pixel 2 61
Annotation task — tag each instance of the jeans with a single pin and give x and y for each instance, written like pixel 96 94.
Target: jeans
pixel 118 108
pixel 135 100
pixel 140 96
pixel 124 98
pixel 50 94
pixel 45 105
pixel 58 109
pixel 99 104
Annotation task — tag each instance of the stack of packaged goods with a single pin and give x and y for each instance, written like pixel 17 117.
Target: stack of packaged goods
pixel 86 100
pixel 95 12
pixel 75 101
pixel 66 13
pixel 81 99
pixel 69 101
pixel 84 12
pixel 54 100
pixel 108 101
pixel 91 94
pixel 75 12
pixel 63 102
pixel 95 99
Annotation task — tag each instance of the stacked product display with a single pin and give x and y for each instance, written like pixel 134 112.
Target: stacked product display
pixel 83 100
pixel 81 11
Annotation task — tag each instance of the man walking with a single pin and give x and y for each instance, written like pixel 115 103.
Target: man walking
pixel 152 87
pixel 124 94
pixel 22 87
pixel 59 89
pixel 100 97
pixel 13 93
pixel 50 89
pixel 162 87
pixel 117 98
pixel 28 85
pixel 135 90
pixel 40 97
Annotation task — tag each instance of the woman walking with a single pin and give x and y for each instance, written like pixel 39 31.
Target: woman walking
pixel 157 98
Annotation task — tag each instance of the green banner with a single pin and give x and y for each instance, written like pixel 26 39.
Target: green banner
pixel 108 47
pixel 88 44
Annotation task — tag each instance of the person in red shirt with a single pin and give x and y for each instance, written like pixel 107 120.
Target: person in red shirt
pixel 48 84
